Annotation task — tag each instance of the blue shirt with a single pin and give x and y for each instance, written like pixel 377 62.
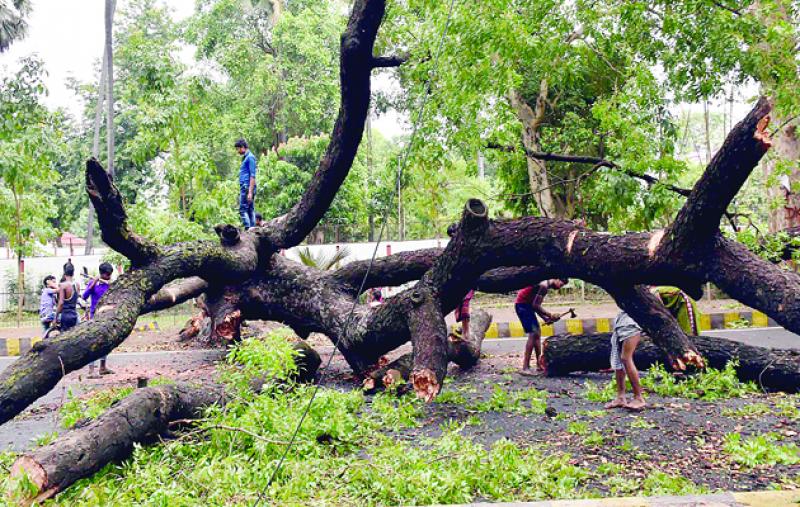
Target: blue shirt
pixel 248 168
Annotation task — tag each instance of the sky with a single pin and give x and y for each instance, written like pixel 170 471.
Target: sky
pixel 68 35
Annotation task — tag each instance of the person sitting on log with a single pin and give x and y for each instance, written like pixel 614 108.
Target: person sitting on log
pixel 527 305
pixel 462 316
pixel 624 340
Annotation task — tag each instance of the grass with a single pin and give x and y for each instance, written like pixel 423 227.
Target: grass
pixel 709 385
pixel 758 450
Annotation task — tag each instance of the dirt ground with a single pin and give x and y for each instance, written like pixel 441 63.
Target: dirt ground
pixel 678 436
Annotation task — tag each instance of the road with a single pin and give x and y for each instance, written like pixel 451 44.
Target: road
pixel 773 337
pixel 19 434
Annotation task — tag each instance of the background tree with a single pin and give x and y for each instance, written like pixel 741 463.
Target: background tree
pixel 30 144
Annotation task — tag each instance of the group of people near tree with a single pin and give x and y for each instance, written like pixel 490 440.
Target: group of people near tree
pixel 625 336
pixel 60 303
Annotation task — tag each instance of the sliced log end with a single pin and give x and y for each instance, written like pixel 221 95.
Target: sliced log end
pixel 392 377
pixel 228 330
pixel 690 358
pixel 762 135
pixel 26 465
pixel 368 384
pixel 425 384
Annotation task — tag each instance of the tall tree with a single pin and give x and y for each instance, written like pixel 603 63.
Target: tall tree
pixel 29 146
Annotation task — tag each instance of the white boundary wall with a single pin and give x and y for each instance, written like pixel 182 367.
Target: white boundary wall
pixel 37 268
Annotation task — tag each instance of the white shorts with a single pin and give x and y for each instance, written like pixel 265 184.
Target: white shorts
pixel 624 328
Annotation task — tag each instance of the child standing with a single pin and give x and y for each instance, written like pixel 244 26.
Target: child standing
pixel 94 291
pixel 47 303
pixel 624 340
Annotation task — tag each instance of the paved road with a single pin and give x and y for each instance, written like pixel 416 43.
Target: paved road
pixel 19 434
pixel 773 337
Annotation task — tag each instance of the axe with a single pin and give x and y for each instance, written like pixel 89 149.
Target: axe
pixel 570 312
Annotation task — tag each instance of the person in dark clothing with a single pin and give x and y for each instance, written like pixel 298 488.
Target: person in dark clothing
pixel 67 309
pixel 247 185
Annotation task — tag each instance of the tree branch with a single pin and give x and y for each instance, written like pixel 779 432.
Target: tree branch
pixel 355 65
pixel 388 61
pixel 112 217
pixel 699 219
pixel 597 162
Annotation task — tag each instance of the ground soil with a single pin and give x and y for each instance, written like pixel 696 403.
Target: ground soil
pixel 678 436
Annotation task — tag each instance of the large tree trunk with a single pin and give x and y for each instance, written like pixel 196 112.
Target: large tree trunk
pixel 531 119
pixel 777 370
pixel 137 419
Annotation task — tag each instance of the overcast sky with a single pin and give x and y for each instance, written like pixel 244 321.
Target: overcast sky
pixel 68 35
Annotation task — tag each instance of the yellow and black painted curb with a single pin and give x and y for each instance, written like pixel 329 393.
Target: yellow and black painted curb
pixel 707 321
pixel 18 346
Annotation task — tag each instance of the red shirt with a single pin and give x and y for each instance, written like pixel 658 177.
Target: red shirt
pixel 525 296
pixel 532 293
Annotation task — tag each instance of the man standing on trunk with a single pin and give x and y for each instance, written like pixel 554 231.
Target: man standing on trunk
pixel 247 185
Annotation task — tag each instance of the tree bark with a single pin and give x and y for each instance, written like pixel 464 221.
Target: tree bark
pixel 137 419
pixel 531 120
pixel 109 24
pixel 98 116
pixel 777 370
pixel 463 351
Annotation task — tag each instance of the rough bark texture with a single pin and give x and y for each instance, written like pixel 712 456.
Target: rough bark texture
pixel 138 418
pixel 777 370
pixel 463 351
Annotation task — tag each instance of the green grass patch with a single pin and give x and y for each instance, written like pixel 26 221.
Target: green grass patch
pixel 760 450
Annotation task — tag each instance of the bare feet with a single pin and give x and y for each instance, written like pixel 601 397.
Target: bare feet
pixel 528 372
pixel 93 374
pixel 636 404
pixel 617 402
pixel 105 371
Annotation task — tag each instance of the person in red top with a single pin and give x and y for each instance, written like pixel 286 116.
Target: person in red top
pixel 528 304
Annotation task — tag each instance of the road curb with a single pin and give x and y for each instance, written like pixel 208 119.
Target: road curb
pixel 726 499
pixel 706 322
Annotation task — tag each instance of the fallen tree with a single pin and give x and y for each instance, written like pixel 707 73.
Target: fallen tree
pixel 775 370
pixel 139 418
pixel 465 351
pixel 243 276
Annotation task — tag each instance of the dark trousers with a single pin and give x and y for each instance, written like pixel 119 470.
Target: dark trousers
pixel 247 210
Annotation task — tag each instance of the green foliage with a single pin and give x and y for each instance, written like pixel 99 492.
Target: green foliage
pixel 600 394
pixel 321 260
pixel 656 483
pixel 594 439
pixel 749 410
pixel 642 423
pixel 78 409
pixel 760 450
pixel 710 384
pixel 528 401
pixel 30 146
pixel 578 428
